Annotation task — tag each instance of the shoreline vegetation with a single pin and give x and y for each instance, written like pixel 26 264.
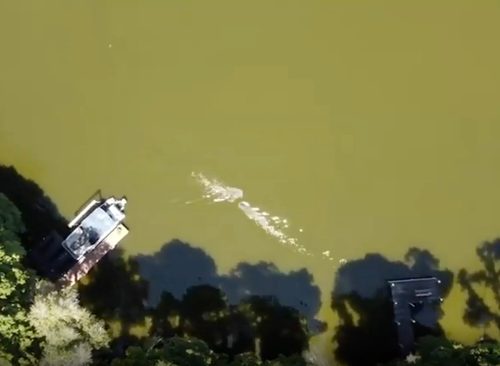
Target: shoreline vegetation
pixel 211 319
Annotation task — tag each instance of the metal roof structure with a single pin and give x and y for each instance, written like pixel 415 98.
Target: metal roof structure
pixel 94 227
pixel 415 302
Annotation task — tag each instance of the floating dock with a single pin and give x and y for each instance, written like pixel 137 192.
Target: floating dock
pixel 415 304
pixel 97 229
pixel 81 268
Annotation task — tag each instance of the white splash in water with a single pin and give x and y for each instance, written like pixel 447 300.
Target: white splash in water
pixel 274 226
pixel 216 191
pixel 326 254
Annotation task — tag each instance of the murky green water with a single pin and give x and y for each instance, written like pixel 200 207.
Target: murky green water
pixel 372 127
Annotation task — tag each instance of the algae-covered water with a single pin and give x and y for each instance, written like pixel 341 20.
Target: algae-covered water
pixel 367 126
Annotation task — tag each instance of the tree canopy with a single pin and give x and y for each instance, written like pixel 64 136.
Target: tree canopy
pixel 69 331
pixel 17 336
pixel 39 324
pixel 438 351
pixel 184 351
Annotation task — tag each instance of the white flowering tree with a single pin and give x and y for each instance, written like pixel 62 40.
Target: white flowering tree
pixel 69 331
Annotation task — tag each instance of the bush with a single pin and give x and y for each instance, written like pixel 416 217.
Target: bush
pixel 433 351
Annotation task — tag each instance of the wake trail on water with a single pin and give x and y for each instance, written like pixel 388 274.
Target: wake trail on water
pixel 216 192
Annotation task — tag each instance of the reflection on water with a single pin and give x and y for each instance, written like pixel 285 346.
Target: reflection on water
pixel 216 191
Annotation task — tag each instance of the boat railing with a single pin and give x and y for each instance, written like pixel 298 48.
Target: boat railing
pixel 97 193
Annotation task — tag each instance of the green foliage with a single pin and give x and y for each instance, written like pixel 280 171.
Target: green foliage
pixel 246 359
pixel 433 351
pixel 138 356
pixel 69 332
pixel 188 352
pixel 17 337
pixel 249 359
pixel 487 353
pixel 11 223
pixel 178 351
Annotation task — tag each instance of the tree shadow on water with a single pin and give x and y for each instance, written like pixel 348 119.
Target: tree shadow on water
pixel 253 308
pixel 178 265
pixel 289 301
pixel 115 291
pixel 174 268
pixel 256 324
pixel 478 313
pixel 40 214
pixel 366 334
pixel 179 290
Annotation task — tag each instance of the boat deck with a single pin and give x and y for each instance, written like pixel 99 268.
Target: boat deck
pixel 81 268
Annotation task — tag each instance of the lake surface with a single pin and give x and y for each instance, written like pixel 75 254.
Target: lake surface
pixel 370 128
